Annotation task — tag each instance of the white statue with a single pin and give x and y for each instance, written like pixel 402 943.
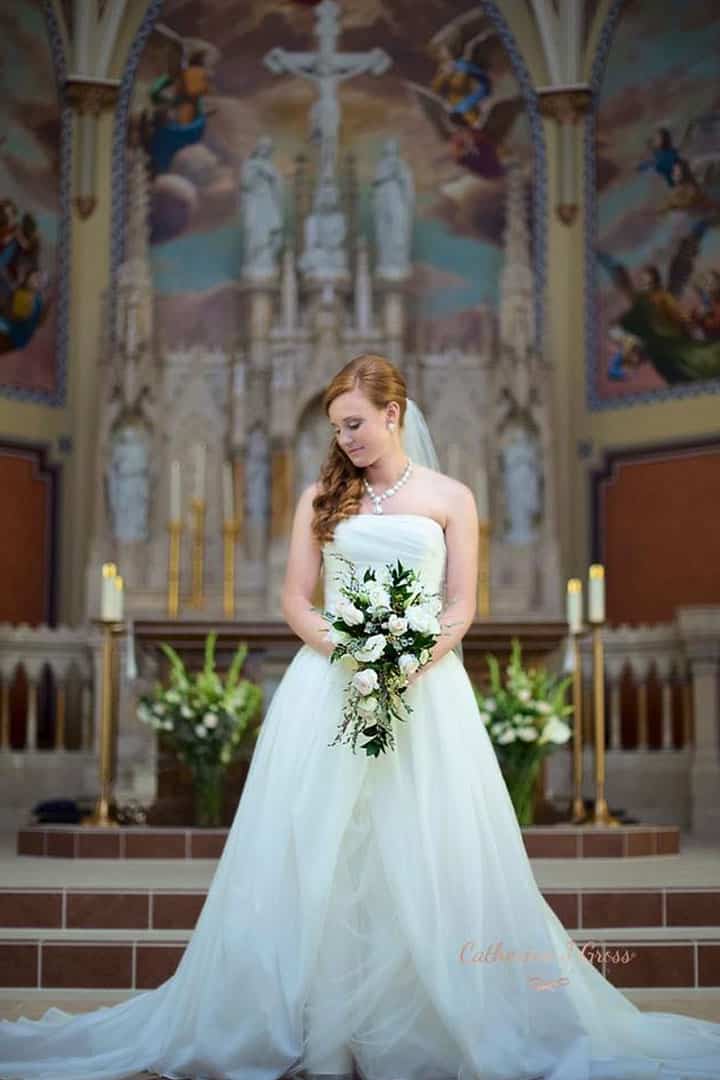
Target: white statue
pixel 521 477
pixel 261 203
pixel 393 206
pixel 324 255
pixel 128 482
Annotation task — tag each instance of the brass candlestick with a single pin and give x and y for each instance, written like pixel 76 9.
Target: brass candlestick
pixel 579 813
pixel 602 813
pixel 231 530
pixel 483 595
pixel 111 630
pixel 197 598
pixel 173 595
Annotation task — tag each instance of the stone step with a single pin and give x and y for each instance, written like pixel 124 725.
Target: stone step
pixel 150 907
pixel 144 842
pixel 640 958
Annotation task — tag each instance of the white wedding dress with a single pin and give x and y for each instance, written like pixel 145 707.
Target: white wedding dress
pixel 335 928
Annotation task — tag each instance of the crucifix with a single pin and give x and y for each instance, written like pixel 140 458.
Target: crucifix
pixel 326 68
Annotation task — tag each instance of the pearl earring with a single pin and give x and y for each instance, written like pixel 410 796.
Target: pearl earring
pixel 391 426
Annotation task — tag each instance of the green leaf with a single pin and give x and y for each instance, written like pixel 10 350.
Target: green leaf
pixel 210 652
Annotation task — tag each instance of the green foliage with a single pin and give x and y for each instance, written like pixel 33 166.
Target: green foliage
pixel 524 717
pixel 208 720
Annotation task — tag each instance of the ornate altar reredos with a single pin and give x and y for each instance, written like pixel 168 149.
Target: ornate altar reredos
pixel 321 274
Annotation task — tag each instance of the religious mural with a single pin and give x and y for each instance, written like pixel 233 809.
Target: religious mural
pixel 30 140
pixel 430 122
pixel 658 205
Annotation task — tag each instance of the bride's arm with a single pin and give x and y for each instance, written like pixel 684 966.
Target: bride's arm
pixel 301 577
pixel 461 538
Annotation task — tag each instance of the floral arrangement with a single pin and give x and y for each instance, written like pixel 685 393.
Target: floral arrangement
pixel 524 720
pixel 206 719
pixel 383 630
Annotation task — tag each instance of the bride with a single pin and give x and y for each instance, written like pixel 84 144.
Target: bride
pixel 373 916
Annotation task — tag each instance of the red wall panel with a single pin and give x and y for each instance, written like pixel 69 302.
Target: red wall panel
pixel 28 536
pixel 657 530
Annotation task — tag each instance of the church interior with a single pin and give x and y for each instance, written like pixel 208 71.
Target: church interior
pixel 207 207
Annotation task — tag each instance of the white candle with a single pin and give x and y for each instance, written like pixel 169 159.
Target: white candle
pixel 175 491
pixel 199 457
pixel 228 500
pixel 596 593
pixel 481 495
pixel 573 606
pixel 107 595
pixel 117 582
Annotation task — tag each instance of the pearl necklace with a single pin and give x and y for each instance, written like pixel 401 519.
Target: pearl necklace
pixel 378 499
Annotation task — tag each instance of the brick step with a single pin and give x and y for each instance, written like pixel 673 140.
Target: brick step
pixel 145 842
pixel 153 908
pixel 638 958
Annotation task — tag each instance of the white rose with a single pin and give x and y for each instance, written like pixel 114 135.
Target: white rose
pixel 524 695
pixel 367 704
pixel 339 637
pixel 159 709
pixel 527 734
pixel 371 650
pixel 348 662
pixel 210 720
pixel 543 707
pixel 186 711
pixel 420 618
pixel 424 656
pixel 497 727
pixel 397 625
pixel 350 614
pixel 173 697
pixel 485 717
pixel 365 681
pixel 377 595
pixel 490 703
pixel 507 737
pixel 200 730
pixel 168 725
pixel 555 731
pixel 408 663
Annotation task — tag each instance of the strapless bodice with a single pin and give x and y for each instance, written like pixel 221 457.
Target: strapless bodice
pixel 374 540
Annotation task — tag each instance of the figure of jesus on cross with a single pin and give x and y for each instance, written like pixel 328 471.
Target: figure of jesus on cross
pixel 327 68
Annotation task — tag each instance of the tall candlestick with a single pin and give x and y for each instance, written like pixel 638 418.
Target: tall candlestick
pixel 199 458
pixel 107 596
pixel 175 511
pixel 596 593
pixel 573 605
pixel 228 499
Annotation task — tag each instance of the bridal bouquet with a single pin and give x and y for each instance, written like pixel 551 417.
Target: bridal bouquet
pixel 383 630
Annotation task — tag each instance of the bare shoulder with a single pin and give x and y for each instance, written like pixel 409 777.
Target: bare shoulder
pixel 308 494
pixel 456 498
